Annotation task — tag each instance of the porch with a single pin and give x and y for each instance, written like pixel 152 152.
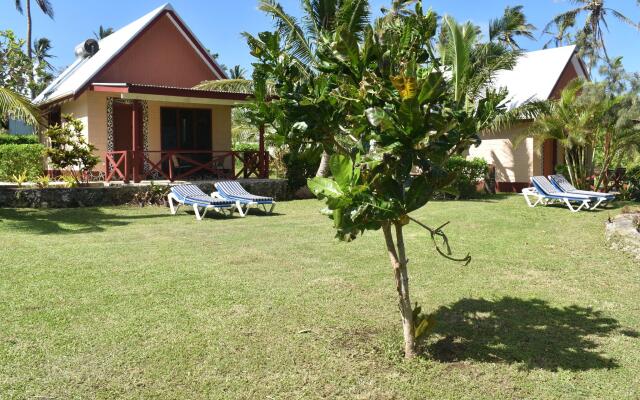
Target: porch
pixel 171 165
pixel 163 133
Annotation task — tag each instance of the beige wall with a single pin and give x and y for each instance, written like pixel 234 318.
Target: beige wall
pixel 515 159
pixel 91 109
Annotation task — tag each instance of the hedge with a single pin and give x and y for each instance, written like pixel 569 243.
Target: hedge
pixel 5 138
pixel 18 158
pixel 469 174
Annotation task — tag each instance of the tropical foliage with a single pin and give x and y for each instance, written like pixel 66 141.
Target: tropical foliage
pixel 103 32
pixel 512 24
pixel 21 160
pixel 596 124
pixel 69 150
pixel 590 36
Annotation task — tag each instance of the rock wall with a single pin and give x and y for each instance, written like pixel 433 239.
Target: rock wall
pixel 117 195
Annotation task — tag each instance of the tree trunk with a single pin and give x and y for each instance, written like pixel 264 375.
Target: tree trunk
pixel 399 263
pixel 323 168
pixel 28 10
pixel 29 51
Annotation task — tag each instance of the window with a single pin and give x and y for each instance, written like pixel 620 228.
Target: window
pixel 185 129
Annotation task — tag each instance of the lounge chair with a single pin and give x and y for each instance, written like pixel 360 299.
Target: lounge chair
pixel 564 185
pixel 191 195
pixel 546 193
pixel 232 190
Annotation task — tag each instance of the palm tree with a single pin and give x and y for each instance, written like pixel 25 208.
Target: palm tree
pixel 595 13
pixel 513 23
pixel 237 72
pixel 14 105
pixel 103 32
pixel 571 124
pixel 44 5
pixel 42 52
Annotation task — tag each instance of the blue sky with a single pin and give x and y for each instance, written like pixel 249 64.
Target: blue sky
pixel 218 23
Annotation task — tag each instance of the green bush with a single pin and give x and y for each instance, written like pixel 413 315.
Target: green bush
pixel 301 166
pixel 245 147
pixel 633 179
pixel 16 159
pixel 5 138
pixel 469 174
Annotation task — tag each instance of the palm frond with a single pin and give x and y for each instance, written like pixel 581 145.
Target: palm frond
pixel 46 7
pixel 244 86
pixel 289 28
pixel 19 6
pixel 623 18
pixel 353 16
pixel 15 106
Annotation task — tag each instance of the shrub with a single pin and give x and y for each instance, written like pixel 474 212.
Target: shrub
pixel 300 166
pixel 633 180
pixel 246 147
pixel 5 138
pixel 16 159
pixel 469 174
pixel 69 150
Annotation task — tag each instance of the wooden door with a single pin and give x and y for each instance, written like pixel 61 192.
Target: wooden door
pixel 125 137
pixel 549 157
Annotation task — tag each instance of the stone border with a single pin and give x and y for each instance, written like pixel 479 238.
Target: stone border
pixel 622 234
pixel 115 195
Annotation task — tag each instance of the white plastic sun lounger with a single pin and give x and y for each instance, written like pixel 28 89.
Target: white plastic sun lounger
pixel 232 190
pixel 191 195
pixel 545 193
pixel 560 182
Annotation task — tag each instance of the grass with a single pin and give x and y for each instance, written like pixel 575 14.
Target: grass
pixel 134 303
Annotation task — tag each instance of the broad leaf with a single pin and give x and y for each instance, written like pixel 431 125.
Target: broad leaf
pixel 325 187
pixel 341 168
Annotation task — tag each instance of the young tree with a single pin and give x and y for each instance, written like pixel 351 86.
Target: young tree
pixel 70 150
pixel 405 108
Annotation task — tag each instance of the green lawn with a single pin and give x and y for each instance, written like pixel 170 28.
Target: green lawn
pixel 135 303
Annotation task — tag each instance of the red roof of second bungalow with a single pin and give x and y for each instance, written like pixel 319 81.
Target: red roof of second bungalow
pixel 155 54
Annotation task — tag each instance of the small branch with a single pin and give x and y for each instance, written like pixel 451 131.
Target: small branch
pixel 438 232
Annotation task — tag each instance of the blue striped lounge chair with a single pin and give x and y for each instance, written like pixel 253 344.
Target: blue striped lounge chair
pixel 191 195
pixel 232 190
pixel 545 193
pixel 563 184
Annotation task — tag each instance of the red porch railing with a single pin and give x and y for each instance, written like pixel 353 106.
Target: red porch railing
pixel 171 165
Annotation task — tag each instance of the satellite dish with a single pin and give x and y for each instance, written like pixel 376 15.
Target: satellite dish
pixel 87 48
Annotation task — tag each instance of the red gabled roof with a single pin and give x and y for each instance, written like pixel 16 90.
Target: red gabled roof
pixel 79 76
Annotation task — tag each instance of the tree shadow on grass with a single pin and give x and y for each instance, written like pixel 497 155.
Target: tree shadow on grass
pixel 66 221
pixel 530 332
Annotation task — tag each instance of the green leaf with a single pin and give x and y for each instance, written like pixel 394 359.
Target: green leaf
pixel 325 187
pixel 419 192
pixel 341 168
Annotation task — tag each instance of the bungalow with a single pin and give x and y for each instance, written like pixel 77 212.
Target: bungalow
pixel 539 75
pixel 133 90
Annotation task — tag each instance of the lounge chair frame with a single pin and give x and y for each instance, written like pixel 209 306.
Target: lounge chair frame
pixel 245 204
pixel 551 194
pixel 560 182
pixel 545 200
pixel 197 205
